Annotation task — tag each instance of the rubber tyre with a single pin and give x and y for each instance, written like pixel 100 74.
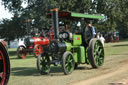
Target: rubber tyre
pixel 4 65
pixel 43 64
pixel 95 53
pixel 68 59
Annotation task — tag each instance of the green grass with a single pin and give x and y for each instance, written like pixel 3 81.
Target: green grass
pixel 24 72
pixel 116 48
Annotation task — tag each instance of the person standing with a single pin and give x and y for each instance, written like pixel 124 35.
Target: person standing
pixel 101 38
pixel 92 29
pixel 89 32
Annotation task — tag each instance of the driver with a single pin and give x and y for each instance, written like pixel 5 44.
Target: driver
pixel 89 32
pixel 92 29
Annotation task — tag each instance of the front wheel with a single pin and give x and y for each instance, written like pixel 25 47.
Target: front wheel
pixel 43 64
pixel 68 63
pixel 96 53
pixel 20 52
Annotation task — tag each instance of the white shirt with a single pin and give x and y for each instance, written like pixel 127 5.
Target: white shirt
pixel 102 40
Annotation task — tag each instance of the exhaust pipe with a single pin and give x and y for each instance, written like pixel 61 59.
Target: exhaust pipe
pixel 55 22
pixel 4 65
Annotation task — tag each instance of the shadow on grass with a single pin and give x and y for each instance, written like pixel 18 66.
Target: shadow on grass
pixel 12 53
pixel 58 71
pixel 120 45
pixel 31 71
pixel 24 71
pixel 83 68
pixel 16 58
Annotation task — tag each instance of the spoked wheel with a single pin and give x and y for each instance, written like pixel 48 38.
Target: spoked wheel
pixel 20 52
pixel 96 53
pixel 38 49
pixel 43 64
pixel 68 63
pixel 4 66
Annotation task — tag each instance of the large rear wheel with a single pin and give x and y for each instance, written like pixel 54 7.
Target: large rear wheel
pixel 68 63
pixel 20 52
pixel 88 34
pixel 4 66
pixel 96 53
pixel 43 64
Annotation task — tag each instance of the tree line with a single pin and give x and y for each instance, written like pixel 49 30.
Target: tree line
pixel 115 12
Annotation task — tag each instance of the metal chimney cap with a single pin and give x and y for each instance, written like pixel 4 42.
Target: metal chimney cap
pixel 55 9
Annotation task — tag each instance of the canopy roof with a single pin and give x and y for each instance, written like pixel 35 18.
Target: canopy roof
pixel 70 15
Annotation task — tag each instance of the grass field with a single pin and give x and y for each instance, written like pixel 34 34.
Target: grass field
pixel 24 72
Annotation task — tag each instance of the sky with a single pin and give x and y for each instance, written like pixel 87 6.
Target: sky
pixel 4 13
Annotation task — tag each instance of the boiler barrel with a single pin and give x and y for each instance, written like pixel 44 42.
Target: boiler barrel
pixel 44 41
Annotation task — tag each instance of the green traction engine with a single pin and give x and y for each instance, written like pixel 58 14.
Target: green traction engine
pixel 71 49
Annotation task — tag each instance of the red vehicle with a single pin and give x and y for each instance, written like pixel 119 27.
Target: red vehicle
pixel 31 46
pixel 112 37
pixel 4 65
pixel 34 44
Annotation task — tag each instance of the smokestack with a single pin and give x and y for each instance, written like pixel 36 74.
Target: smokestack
pixel 55 22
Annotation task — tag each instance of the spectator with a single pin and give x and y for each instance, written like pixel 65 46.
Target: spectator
pixel 101 38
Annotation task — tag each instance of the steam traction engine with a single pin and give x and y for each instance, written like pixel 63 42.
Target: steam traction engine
pixel 32 44
pixel 70 48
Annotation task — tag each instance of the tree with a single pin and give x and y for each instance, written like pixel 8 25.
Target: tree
pixel 122 23
pixel 115 11
pixel 38 9
pixel 11 29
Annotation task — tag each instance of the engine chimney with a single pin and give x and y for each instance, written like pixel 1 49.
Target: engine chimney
pixel 55 22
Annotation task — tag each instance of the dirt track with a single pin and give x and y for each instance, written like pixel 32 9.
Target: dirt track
pixel 116 75
pixel 120 71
